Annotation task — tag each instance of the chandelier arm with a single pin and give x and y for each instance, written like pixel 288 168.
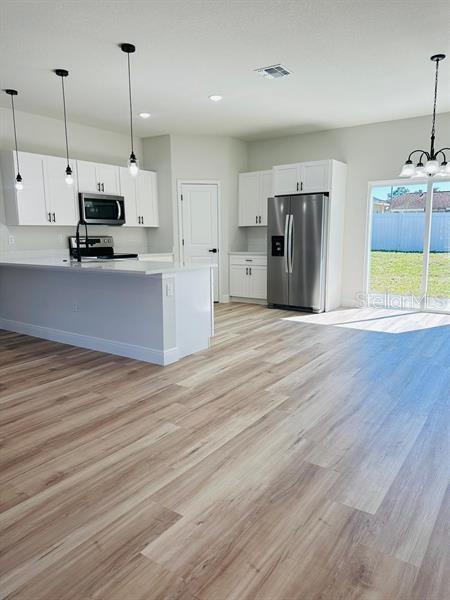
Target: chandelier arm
pixel 441 151
pixel 422 153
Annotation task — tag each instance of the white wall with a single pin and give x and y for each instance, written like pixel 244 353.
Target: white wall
pixel 372 152
pixel 200 157
pixel 44 135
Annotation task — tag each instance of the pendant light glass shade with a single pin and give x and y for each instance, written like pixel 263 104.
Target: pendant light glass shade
pixel 445 168
pixel 133 163
pixel 18 184
pixel 408 169
pixel 432 166
pixel 68 176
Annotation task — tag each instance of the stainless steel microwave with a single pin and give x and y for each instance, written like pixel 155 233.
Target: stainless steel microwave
pixel 101 209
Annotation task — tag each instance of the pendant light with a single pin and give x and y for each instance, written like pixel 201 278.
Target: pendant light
pixel 18 184
pixel 431 166
pixel 132 161
pixel 64 73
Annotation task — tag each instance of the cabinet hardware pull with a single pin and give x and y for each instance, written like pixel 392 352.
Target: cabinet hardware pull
pixel 250 269
pixel 142 220
pixel 103 187
pixel 297 186
pixel 49 217
pixel 301 186
pixel 54 218
pixel 246 270
pixel 256 219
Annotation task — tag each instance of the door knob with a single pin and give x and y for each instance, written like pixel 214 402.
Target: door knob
pixel 213 250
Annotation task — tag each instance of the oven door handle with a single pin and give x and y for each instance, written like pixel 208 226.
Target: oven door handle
pixel 119 210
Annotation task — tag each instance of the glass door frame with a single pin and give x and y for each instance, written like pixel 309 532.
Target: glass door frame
pixel 428 182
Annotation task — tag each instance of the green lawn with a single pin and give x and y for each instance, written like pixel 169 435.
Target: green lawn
pixel 401 273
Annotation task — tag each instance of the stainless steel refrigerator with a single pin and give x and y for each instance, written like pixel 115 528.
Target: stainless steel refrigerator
pixel 296 253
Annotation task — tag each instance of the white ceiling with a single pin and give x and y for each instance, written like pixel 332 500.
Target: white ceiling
pixel 353 62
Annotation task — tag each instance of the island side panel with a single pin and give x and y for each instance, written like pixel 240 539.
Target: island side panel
pixel 193 311
pixel 111 312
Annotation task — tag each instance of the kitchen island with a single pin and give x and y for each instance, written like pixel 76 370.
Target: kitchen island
pixel 156 312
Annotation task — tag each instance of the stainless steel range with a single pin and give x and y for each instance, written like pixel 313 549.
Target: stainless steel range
pixel 95 248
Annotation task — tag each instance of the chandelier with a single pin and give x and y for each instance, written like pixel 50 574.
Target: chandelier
pixel 431 166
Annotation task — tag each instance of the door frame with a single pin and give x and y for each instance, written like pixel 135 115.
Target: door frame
pixel 180 183
pixel 428 182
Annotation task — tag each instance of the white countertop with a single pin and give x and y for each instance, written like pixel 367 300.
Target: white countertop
pixel 248 253
pixel 131 266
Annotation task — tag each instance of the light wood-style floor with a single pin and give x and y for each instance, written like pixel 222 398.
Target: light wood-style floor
pixel 293 460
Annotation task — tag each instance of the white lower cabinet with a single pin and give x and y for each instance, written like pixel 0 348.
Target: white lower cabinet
pixel 248 276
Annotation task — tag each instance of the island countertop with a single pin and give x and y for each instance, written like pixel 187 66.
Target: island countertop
pixel 125 266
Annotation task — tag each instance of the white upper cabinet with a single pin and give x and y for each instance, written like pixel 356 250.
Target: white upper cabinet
pixel 254 189
pixel 98 178
pixel 307 177
pixel 61 199
pixel 286 179
pixel 147 198
pixel 315 176
pixel 141 198
pixel 29 203
pixel 45 199
pixel 266 191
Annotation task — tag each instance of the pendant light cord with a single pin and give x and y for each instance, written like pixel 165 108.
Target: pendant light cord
pixel 15 133
pixel 65 120
pixel 433 125
pixel 131 107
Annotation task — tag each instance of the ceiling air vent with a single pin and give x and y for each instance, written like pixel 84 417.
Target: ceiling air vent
pixel 273 72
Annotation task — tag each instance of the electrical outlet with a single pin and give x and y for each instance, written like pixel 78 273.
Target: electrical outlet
pixel 11 240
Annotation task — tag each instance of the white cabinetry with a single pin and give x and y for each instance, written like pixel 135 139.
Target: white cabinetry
pixel 254 189
pixel 97 177
pixel 141 198
pixel 248 276
pixel 45 199
pixel 306 177
pixel 61 199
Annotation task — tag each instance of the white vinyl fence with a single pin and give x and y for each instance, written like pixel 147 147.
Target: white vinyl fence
pixel 403 231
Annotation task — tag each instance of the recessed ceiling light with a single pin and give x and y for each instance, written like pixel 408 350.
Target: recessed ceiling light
pixel 215 98
pixel 145 115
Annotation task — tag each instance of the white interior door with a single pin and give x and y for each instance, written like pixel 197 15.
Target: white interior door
pixel 200 230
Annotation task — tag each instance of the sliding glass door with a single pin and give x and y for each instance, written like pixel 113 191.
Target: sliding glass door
pixel 409 245
pixel 437 269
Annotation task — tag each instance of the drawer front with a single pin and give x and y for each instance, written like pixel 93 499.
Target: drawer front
pixel 248 259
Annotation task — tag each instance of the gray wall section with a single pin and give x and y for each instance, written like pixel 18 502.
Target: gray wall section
pixel 158 157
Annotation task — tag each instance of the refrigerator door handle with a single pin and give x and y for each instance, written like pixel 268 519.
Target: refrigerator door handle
pixel 286 242
pixel 291 242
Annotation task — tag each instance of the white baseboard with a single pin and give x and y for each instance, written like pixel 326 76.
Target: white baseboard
pixel 224 299
pixel 143 353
